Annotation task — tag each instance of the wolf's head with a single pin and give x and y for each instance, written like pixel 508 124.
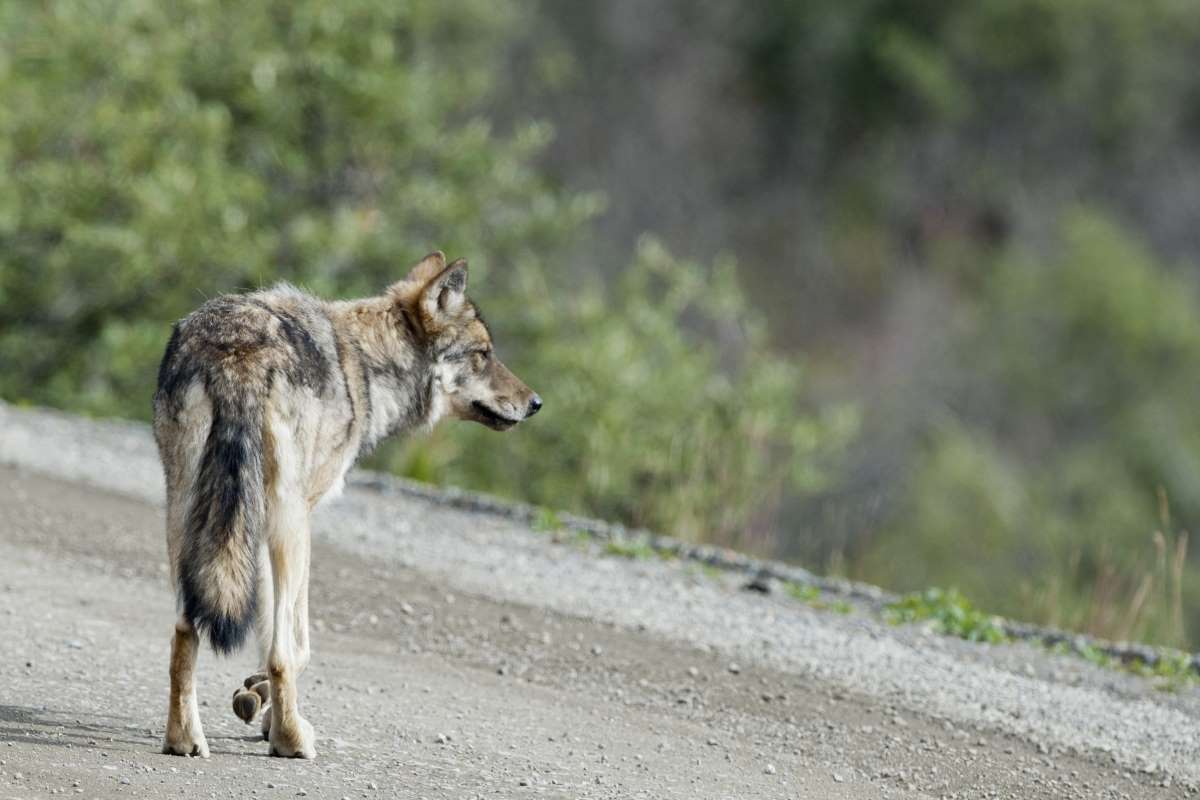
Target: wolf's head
pixel 469 382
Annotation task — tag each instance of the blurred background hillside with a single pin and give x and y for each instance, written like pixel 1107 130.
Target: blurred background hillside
pixel 895 289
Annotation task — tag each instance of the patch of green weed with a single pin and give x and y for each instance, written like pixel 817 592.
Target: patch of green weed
pixel 803 592
pixel 631 549
pixel 1171 672
pixel 547 521
pixel 811 596
pixel 952 612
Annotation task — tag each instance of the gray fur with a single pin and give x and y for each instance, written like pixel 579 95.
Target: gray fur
pixel 264 402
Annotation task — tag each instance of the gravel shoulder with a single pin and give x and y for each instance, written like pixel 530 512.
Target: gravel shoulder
pixel 460 654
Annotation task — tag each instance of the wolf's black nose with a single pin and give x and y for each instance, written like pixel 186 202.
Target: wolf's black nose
pixel 535 405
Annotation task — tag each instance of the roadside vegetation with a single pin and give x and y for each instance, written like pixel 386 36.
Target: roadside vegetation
pixel 882 326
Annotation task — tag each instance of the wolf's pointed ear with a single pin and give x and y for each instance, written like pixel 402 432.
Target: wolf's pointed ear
pixel 427 268
pixel 445 293
pixel 422 273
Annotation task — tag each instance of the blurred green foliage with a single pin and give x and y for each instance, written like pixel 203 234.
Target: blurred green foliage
pixel 902 175
pixel 1026 367
pixel 1045 492
pixel 160 153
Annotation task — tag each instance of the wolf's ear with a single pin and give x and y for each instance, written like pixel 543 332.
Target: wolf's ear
pixel 427 268
pixel 405 290
pixel 445 293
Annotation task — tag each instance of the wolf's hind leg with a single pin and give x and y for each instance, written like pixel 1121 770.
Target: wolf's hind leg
pixel 185 737
pixel 254 694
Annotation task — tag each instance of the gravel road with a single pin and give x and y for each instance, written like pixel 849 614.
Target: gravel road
pixel 461 655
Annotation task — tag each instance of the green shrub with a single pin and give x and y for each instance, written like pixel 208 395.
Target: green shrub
pixel 1043 494
pixel 951 612
pixel 160 153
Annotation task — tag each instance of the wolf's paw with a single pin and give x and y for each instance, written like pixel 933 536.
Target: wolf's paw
pixel 246 705
pixel 249 701
pixel 255 679
pixel 294 743
pixel 185 744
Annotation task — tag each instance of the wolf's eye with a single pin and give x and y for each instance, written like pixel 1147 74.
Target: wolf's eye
pixel 479 359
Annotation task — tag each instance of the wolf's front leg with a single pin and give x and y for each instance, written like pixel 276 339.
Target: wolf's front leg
pixel 259 683
pixel 185 737
pixel 303 652
pixel 290 734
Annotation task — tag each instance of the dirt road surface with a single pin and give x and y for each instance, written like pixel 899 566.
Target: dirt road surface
pixel 461 655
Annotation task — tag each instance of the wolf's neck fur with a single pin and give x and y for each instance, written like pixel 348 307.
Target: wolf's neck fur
pixel 390 377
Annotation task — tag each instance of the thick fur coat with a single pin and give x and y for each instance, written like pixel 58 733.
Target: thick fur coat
pixel 264 402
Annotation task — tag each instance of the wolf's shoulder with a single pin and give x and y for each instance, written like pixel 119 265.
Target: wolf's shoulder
pixel 238 309
pixel 284 295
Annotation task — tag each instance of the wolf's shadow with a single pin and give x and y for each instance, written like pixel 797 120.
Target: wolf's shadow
pixel 42 725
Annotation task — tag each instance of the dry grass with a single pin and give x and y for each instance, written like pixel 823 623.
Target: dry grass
pixel 1142 600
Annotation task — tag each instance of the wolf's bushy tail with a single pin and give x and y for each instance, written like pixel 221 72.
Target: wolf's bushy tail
pixel 218 569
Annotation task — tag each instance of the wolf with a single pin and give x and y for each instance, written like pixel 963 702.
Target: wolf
pixel 264 402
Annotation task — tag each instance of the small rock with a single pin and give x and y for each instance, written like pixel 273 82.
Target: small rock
pixel 761 583
pixel 769 769
pixel 735 669
pixel 597 650
pixel 441 738
pixel 837 778
pixel 695 673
